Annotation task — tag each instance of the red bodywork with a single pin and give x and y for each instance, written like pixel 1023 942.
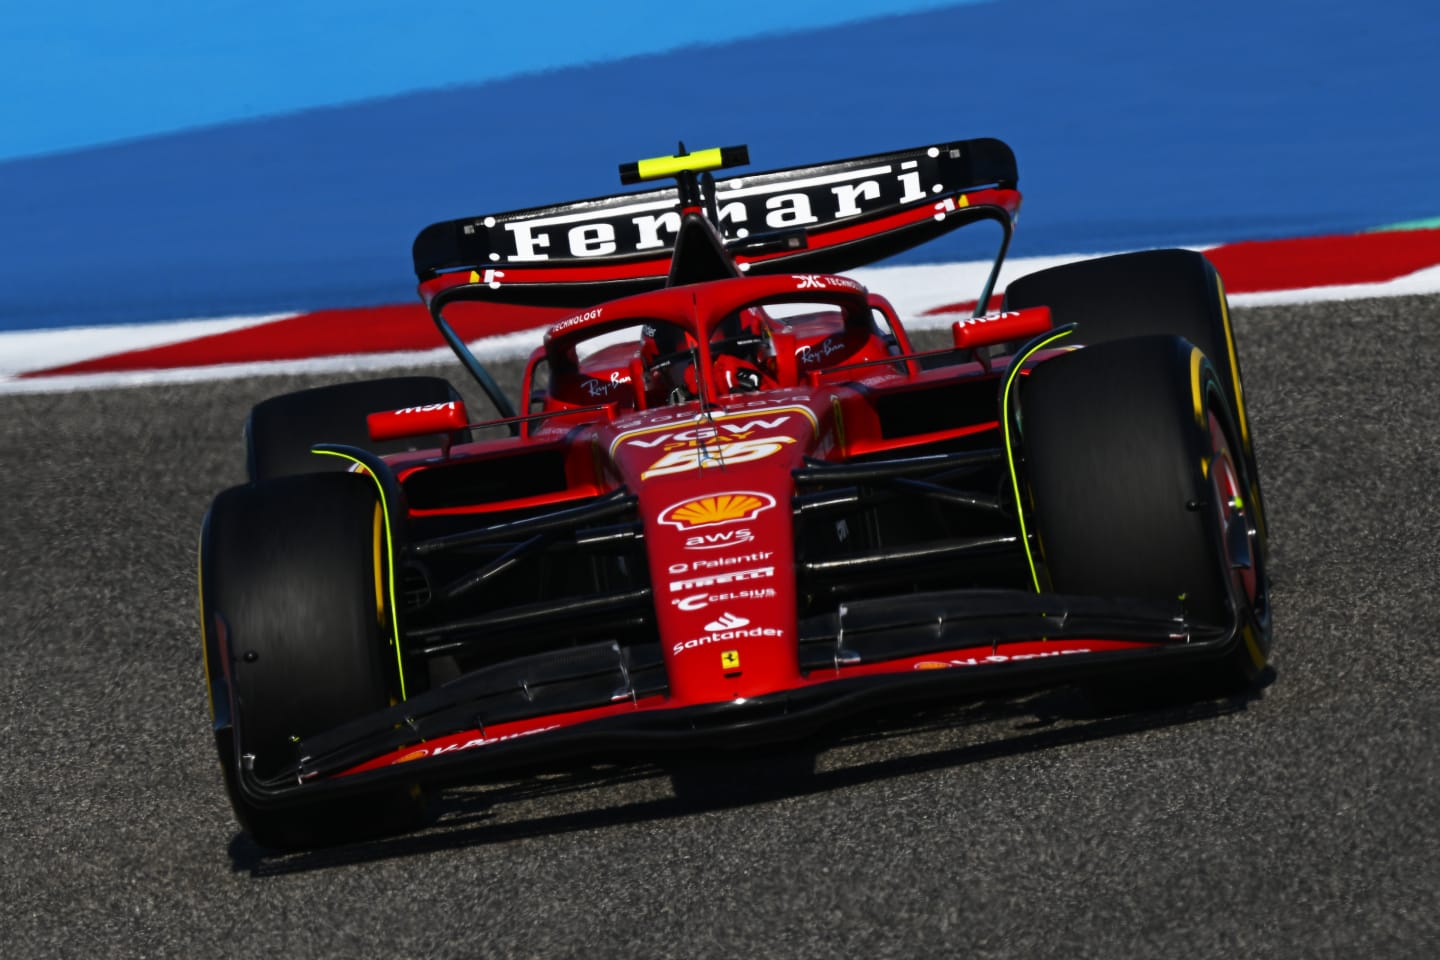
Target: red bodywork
pixel 714 477
pixel 735 502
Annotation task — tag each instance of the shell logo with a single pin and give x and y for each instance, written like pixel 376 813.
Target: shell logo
pixel 718 509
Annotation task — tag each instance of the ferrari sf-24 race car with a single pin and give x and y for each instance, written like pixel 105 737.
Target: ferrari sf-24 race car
pixel 735 501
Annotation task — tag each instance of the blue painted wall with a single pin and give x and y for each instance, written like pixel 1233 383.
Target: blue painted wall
pixel 1136 124
pixel 91 71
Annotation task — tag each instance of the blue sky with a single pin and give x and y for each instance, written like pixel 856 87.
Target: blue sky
pixel 96 71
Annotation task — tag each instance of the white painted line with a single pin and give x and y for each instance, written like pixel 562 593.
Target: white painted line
pixel 41 349
pixel 1420 282
pixel 912 289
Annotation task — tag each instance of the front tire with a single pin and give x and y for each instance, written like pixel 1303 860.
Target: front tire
pixel 293 574
pixel 1136 489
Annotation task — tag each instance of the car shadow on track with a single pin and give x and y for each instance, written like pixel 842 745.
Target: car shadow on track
pixel 565 800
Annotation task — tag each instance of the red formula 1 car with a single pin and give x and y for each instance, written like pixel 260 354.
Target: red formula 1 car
pixel 737 499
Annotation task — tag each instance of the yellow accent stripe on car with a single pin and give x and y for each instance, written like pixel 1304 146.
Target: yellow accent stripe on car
pixel 390 550
pixel 1252 646
pixel 379 584
pixel 1196 397
pixel 1015 366
pixel 669 166
pixel 1234 364
pixel 1240 415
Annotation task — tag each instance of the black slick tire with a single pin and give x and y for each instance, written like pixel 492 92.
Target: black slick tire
pixel 1135 489
pixel 292 573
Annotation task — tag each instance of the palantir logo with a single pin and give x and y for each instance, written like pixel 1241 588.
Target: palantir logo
pixel 726 621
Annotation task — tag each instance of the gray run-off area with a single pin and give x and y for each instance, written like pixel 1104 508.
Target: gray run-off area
pixel 1302 823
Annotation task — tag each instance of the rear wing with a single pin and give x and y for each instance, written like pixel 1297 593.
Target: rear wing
pixel 822 218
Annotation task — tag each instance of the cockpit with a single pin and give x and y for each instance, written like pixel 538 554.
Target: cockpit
pixel 711 341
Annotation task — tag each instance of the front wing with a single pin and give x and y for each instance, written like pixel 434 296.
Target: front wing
pixel 602 700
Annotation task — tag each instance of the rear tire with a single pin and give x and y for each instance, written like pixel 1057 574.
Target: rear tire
pixel 294 570
pixel 1150 293
pixel 1135 491
pixel 281 430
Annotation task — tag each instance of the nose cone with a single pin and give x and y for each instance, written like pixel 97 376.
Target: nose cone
pixel 722 565
pixel 715 498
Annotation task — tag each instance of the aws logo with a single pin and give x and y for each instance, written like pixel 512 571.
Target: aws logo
pixel 715 539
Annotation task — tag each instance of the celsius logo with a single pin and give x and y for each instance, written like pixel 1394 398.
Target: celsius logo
pixel 726 621
pixel 699 601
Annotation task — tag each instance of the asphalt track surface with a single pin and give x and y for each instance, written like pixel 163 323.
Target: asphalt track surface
pixel 1302 822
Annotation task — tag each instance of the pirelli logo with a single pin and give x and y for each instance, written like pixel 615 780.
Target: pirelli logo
pixel 733 576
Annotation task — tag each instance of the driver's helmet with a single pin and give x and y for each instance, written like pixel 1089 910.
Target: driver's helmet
pixel 741 349
pixel 744 352
pixel 668 356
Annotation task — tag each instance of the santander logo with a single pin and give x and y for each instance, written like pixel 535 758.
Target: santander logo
pixel 726 621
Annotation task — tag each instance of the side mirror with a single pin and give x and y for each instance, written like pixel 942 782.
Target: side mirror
pixel 1000 327
pixel 446 418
